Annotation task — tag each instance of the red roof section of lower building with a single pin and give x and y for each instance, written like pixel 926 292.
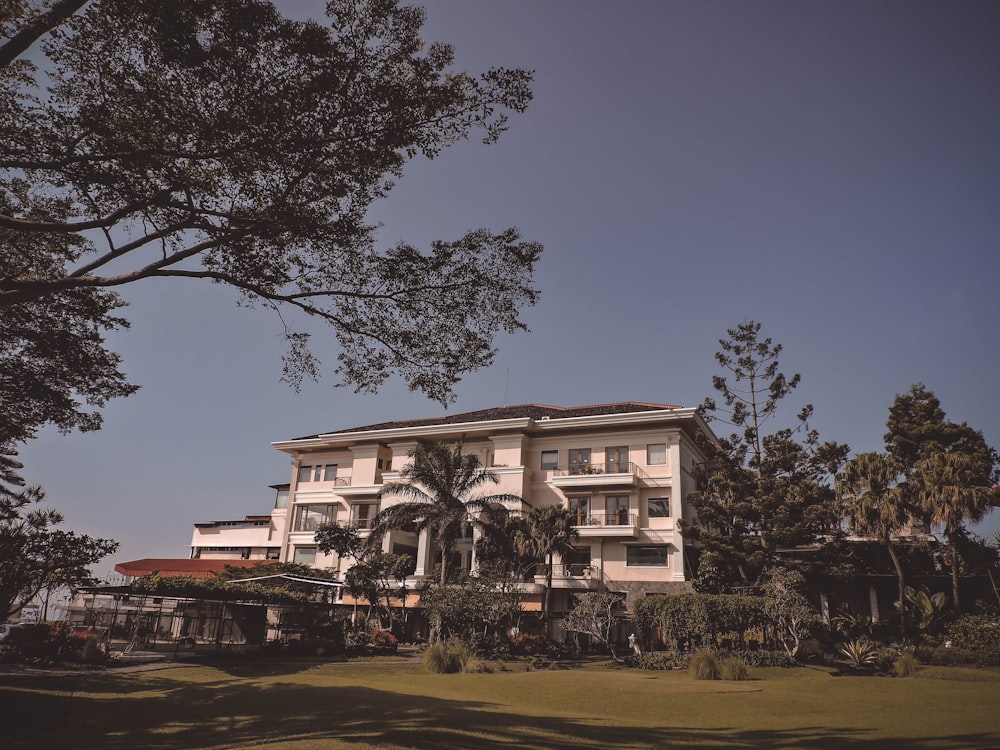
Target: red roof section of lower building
pixel 166 566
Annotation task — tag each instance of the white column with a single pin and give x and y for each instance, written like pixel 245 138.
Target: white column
pixel 425 564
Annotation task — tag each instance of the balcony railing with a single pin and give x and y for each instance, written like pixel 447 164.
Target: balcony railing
pixel 615 518
pixel 568 570
pixel 612 467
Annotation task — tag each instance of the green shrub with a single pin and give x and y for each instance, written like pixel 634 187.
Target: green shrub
pixel 43 643
pixel 691 621
pixel 312 647
pixel 905 665
pixel 661 660
pixel 704 666
pixel 766 658
pixel 860 653
pixel 92 652
pixel 734 668
pixel 448 658
pixel 944 656
pixel 383 642
pixel 979 634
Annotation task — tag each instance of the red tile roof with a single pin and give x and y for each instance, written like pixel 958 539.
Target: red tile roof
pixel 167 566
pixel 533 411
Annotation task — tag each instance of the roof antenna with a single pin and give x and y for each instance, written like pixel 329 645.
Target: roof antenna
pixel 506 380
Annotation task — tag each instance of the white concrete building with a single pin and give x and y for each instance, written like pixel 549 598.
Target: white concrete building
pixel 623 470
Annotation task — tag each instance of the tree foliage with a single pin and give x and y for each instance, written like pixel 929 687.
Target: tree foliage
pixel 790 613
pixel 548 532
pixel 378 578
pixel 440 486
pixel 35 555
pixel 758 491
pixel 957 489
pixel 875 507
pixel 597 615
pixel 217 140
pixel 476 610
pixel 693 621
pixel 949 471
pixel 217 589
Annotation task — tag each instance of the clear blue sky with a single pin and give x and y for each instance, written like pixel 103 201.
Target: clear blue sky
pixel 831 169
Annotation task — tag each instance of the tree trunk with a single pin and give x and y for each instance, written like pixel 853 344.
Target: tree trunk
pixel 444 564
pixel 902 584
pixel 546 601
pixel 954 573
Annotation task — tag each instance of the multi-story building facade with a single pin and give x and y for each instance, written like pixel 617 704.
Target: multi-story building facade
pixel 622 470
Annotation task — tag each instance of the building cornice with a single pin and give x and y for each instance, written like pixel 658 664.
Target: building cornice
pixel 525 425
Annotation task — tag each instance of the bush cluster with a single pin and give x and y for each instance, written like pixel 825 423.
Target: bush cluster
pixel 979 634
pixel 692 621
pixel 52 643
pixel 448 658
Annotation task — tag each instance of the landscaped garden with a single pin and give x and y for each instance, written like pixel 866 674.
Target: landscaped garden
pixel 397 704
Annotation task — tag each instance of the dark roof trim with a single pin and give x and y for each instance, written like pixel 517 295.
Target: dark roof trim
pixel 522 411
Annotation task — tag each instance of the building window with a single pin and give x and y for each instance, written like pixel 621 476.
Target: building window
pixel 651 556
pixel 273 553
pixel 362 515
pixel 195 553
pixel 616 510
pixel 659 507
pixel 550 460
pixel 579 461
pixel 281 500
pixel 311 517
pixel 616 459
pixel 579 509
pixel 577 561
pixel 329 472
pixel 656 454
pixel 304 555
pixel 305 474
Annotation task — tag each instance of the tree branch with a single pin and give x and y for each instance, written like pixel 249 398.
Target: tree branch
pixel 36 28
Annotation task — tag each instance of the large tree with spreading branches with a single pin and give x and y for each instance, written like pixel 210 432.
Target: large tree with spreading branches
pixel 217 140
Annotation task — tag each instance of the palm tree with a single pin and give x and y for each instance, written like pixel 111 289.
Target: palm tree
pixel 439 484
pixel 876 507
pixel 957 488
pixel 549 532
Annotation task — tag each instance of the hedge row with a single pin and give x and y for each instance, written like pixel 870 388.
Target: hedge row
pixel 693 621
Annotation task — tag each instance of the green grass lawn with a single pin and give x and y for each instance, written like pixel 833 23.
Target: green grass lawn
pixel 398 705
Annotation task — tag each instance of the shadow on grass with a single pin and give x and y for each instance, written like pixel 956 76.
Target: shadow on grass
pixel 162 714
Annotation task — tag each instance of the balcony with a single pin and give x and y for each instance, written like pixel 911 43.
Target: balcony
pixel 620 524
pixel 580 576
pixel 346 489
pixel 615 474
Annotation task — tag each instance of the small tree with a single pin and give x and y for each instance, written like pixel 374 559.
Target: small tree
pixel 374 575
pixel 377 578
pixel 958 488
pixel 790 613
pixel 875 506
pixel 472 610
pixel 35 555
pixel 597 616
pixel 548 532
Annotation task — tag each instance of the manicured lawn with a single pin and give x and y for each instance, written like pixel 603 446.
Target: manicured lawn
pixel 397 705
